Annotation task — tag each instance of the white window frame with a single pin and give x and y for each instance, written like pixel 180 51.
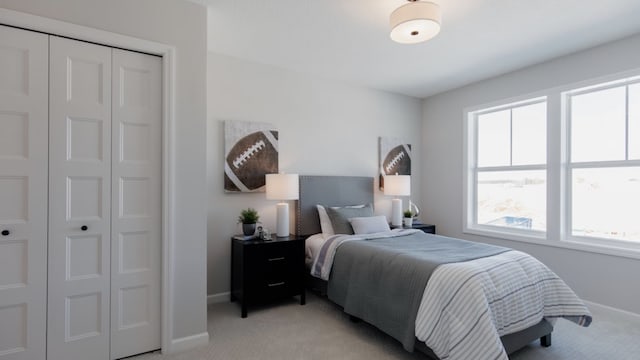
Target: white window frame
pixel 565 98
pixel 472 170
pixel 558 232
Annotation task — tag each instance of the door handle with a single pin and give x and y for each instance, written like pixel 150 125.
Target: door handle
pixel 6 232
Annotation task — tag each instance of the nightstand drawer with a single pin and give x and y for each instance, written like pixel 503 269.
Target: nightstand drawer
pixel 274 272
pixel 273 259
pixel 278 254
pixel 279 288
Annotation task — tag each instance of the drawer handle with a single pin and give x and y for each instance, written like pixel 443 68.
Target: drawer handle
pixel 277 259
pixel 276 284
pixel 6 232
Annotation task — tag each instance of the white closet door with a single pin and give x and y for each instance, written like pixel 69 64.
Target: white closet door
pixel 79 202
pixel 23 193
pixel 136 204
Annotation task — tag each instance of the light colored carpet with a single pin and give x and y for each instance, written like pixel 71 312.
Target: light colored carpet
pixel 320 330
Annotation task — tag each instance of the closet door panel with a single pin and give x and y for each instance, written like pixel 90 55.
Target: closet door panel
pixel 79 202
pixel 136 204
pixel 23 191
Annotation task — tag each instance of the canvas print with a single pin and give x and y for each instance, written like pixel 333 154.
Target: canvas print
pixel 251 151
pixel 395 158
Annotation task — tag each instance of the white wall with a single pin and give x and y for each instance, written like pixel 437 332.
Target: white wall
pixel 325 128
pixel 604 279
pixel 183 25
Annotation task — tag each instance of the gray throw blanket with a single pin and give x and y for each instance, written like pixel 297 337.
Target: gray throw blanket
pixel 382 281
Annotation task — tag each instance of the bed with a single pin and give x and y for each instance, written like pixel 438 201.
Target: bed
pixel 420 288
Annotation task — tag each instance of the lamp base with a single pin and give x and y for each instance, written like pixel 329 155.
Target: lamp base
pixel 396 212
pixel 282 220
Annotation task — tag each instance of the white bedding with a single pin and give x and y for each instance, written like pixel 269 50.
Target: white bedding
pixel 312 247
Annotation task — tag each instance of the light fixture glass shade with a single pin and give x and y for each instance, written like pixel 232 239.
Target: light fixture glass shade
pixel 415 22
pixel 397 185
pixel 282 186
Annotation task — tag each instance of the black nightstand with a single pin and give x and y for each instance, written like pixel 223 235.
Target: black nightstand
pixel 263 271
pixel 428 228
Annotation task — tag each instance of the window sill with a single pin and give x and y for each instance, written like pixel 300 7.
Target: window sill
pixel 591 246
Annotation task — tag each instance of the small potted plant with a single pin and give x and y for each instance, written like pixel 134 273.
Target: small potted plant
pixel 248 218
pixel 408 218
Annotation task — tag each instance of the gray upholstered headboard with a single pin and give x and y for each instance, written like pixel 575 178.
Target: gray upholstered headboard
pixel 329 191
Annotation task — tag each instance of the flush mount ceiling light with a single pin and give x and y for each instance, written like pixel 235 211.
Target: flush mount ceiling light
pixel 415 22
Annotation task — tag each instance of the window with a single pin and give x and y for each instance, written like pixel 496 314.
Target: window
pixel 604 166
pixel 561 169
pixel 510 170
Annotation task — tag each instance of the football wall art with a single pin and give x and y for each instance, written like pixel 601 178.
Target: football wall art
pixel 251 151
pixel 395 158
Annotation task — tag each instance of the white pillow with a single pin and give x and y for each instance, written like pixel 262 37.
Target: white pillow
pixel 369 224
pixel 325 222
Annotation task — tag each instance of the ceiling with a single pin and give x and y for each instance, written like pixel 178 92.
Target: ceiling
pixel 348 40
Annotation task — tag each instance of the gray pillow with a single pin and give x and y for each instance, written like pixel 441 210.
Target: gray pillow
pixel 340 217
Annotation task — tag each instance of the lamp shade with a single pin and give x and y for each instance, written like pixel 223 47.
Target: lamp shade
pixel 415 22
pixel 282 186
pixel 397 185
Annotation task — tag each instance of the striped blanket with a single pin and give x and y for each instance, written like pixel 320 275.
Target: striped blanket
pixel 466 307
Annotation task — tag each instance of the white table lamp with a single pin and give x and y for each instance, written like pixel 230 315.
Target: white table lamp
pixel 282 187
pixel 397 185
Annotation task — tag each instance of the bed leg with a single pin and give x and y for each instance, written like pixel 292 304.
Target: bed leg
pixel 545 341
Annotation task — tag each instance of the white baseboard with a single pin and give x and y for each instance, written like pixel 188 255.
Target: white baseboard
pixel 187 343
pixel 218 298
pixel 618 312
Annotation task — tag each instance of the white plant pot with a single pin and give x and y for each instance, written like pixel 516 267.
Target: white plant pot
pixel 408 222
